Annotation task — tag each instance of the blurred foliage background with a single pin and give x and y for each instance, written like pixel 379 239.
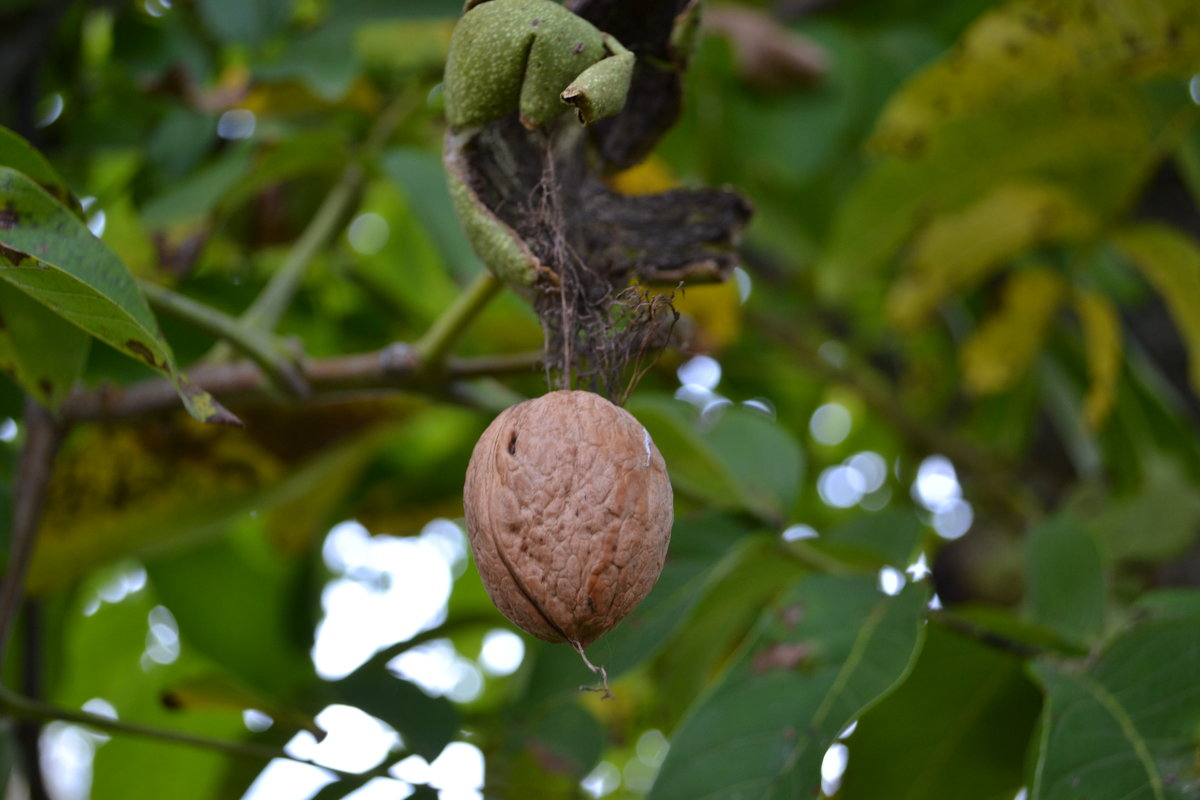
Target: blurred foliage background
pixel 934 449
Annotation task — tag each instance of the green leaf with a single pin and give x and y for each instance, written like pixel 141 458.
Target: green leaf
pixel 190 199
pixel 1125 726
pixel 103 657
pixel 1170 261
pixel 974 710
pixel 427 724
pixel 743 461
pixel 890 537
pixel 829 651
pixel 1156 523
pixel 21 156
pixel 43 351
pixel 1171 603
pixel 236 600
pixel 243 21
pixel 723 620
pixel 567 738
pixel 423 178
pixel 48 253
pixel 424 287
pixel 703 550
pixel 1066 591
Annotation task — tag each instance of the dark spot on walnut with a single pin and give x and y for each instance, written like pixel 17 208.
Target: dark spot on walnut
pixel 512 444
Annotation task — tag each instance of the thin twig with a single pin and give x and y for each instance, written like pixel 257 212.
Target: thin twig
pixel 267 309
pixel 42 436
pixel 260 347
pixel 448 328
pixel 20 707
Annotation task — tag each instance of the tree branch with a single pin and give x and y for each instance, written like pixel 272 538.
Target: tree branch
pixel 260 347
pixel 42 437
pixel 29 731
pixel 394 368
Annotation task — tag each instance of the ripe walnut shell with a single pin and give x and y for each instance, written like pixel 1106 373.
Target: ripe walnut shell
pixel 569 512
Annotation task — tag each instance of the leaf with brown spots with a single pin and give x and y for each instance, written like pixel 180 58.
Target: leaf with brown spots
pixel 49 255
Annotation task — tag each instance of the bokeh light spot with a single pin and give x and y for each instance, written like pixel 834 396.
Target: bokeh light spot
pixel 502 652
pixel 256 721
pixel 237 123
pixel 438 669
pixel 701 371
pixel 953 519
pixel 354 740
pixel 603 780
pixel 368 233
pixel 830 424
pixel 794 533
pixel 891 581
pixel 744 284
pixel 937 483
pixel 841 486
pixel 833 766
pixel 872 467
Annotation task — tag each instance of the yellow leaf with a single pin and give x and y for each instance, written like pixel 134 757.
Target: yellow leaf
pixel 959 249
pixel 122 489
pixel 1001 349
pixel 716 310
pixel 713 308
pixel 1102 344
pixel 1170 261
pixel 649 177
pixel 1033 46
pixel 294 99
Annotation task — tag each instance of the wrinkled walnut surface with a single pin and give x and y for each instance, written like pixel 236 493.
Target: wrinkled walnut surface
pixel 569 512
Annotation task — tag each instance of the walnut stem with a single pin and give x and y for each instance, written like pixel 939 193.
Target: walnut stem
pixel 608 695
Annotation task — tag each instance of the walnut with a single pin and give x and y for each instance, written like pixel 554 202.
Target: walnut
pixel 569 513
